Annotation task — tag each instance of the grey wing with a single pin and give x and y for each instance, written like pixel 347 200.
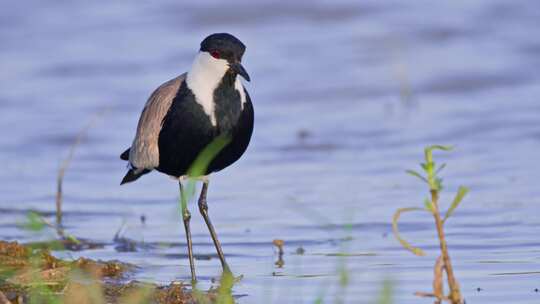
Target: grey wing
pixel 144 151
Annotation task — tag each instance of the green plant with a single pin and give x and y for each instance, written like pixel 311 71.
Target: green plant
pixel 198 167
pixel 431 205
pixel 36 222
pixel 387 290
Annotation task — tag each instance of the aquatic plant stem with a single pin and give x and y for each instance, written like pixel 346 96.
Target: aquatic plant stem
pixel 455 294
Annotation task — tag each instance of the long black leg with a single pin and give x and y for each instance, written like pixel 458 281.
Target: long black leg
pixel 203 208
pixel 186 216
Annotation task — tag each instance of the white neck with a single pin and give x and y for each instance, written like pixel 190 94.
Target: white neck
pixel 204 77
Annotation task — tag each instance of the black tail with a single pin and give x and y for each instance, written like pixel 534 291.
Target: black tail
pixel 133 174
pixel 125 155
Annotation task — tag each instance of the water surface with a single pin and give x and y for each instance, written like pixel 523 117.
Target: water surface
pixel 346 96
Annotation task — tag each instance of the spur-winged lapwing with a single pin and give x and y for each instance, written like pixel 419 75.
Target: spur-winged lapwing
pixel 186 114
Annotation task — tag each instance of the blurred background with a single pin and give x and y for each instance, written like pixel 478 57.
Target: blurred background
pixel 346 94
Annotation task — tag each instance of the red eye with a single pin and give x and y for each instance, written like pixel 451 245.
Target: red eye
pixel 215 54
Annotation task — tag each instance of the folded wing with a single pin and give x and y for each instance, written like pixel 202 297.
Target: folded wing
pixel 143 155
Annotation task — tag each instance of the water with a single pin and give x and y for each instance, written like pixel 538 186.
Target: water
pixel 335 129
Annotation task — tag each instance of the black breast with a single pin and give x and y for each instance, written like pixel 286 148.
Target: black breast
pixel 187 129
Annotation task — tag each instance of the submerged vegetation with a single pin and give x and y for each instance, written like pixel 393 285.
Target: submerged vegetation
pixel 431 205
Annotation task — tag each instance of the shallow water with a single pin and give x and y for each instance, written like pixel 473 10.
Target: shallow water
pixel 346 97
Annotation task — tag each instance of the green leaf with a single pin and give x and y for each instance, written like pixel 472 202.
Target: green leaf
pixel 34 222
pixel 73 239
pixel 462 191
pixel 416 174
pixel 439 147
pixel 395 229
pixel 438 184
pixel 441 167
pixel 200 165
pixel 205 157
pixel 429 205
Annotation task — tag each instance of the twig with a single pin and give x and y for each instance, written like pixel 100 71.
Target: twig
pixel 67 161
pixel 455 294
pixel 438 285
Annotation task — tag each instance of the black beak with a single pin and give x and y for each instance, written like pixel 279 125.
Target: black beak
pixel 239 69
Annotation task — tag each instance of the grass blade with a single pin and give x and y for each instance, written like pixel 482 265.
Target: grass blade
pixel 416 174
pixel 462 191
pixel 441 167
pixel 203 160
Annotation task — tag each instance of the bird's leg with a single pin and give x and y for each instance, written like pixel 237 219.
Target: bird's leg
pixel 186 216
pixel 203 208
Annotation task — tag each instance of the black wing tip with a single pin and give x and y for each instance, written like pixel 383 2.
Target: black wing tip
pixel 125 155
pixel 133 175
pixel 129 177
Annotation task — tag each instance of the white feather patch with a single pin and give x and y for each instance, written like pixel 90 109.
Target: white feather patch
pixel 203 78
pixel 240 88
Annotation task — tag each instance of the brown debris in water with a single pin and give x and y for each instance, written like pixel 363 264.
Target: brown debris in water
pixel 13 255
pixel 21 258
pixel 279 244
pixel 173 293
pixel 25 271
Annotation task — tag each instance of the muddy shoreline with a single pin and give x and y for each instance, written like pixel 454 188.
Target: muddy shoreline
pixel 33 275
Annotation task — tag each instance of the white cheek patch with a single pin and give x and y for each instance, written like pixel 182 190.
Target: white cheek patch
pixel 204 77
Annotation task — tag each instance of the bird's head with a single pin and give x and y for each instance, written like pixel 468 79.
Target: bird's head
pixel 223 51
